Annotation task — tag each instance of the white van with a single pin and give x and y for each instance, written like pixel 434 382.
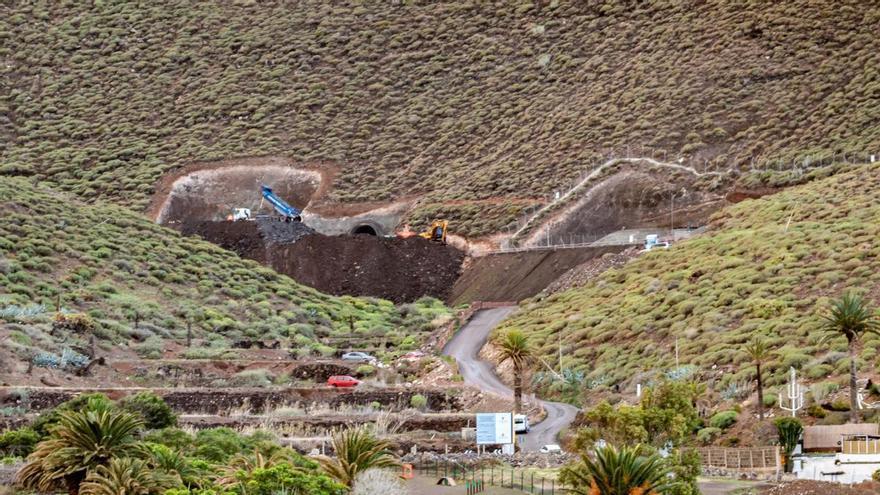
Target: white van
pixel 521 424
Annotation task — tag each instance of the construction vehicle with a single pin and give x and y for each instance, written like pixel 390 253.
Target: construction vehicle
pixel 240 214
pixel 437 232
pixel 285 210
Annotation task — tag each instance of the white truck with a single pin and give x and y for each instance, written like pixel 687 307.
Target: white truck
pixel 521 424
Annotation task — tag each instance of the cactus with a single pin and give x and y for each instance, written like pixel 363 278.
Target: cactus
pixel 794 394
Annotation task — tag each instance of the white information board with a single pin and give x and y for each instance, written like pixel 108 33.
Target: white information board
pixel 494 428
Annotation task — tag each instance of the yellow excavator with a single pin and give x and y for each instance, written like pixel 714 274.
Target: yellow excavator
pixel 437 232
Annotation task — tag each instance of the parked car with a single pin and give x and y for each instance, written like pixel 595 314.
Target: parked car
pixel 342 381
pixel 551 448
pixel 521 424
pixel 358 357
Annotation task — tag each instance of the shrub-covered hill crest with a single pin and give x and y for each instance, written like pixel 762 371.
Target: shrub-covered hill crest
pixel 141 285
pixel 767 266
pixel 465 100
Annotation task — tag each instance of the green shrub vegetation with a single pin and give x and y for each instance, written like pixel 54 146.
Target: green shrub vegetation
pixel 71 271
pixel 151 408
pixel 723 420
pixel 461 100
pixel 769 266
pixel 97 446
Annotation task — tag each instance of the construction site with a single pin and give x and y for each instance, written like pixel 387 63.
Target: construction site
pixel 442 247
pixel 277 213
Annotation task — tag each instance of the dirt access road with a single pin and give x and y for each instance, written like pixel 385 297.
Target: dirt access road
pixel 465 347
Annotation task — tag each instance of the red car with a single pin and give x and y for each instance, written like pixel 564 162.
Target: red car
pixel 342 381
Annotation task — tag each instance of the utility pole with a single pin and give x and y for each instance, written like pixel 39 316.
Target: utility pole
pixel 672 217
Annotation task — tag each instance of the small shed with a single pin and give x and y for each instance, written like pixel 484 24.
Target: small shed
pixel 829 438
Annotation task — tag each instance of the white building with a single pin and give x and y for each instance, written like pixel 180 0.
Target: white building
pixel 842 453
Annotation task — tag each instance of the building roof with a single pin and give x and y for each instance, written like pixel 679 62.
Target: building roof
pixel 828 438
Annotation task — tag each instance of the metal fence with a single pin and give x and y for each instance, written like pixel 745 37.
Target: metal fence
pixel 477 479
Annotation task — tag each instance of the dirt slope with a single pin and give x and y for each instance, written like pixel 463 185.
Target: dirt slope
pixel 517 276
pixel 400 270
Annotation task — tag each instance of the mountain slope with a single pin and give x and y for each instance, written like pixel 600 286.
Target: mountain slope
pixel 142 285
pixel 766 266
pixel 462 100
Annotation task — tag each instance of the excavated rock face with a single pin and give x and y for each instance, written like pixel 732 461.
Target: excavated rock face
pixel 400 270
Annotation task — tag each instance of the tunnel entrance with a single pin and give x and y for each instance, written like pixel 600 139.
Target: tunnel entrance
pixel 364 229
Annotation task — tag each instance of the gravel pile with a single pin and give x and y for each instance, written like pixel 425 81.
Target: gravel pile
pixel 277 231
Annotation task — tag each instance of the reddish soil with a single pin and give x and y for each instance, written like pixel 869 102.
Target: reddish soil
pixel 809 487
pixel 400 270
pixel 738 195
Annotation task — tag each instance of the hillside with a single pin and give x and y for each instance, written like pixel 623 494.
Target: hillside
pixel 459 101
pixel 752 273
pixel 137 287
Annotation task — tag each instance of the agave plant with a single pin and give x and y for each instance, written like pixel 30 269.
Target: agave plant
pixel 617 472
pixel 357 450
pixel 81 442
pixel 127 477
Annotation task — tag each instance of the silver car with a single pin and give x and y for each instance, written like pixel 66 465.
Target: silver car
pixel 359 357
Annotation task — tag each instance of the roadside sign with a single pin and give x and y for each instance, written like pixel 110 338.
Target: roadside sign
pixel 494 428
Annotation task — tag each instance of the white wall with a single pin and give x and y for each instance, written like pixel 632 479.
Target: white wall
pixel 856 467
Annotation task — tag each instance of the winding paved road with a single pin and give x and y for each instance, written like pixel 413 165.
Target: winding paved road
pixel 465 347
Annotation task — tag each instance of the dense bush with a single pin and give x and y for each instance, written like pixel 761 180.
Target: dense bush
pixel 18 443
pixel 152 408
pixel 418 401
pixel 708 435
pixel 723 420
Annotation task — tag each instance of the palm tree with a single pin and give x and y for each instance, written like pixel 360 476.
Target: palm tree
pixel 515 348
pixel 356 450
pixel 80 443
pixel 852 317
pixel 758 352
pixel 248 463
pixel 617 472
pixel 127 477
pixel 172 462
